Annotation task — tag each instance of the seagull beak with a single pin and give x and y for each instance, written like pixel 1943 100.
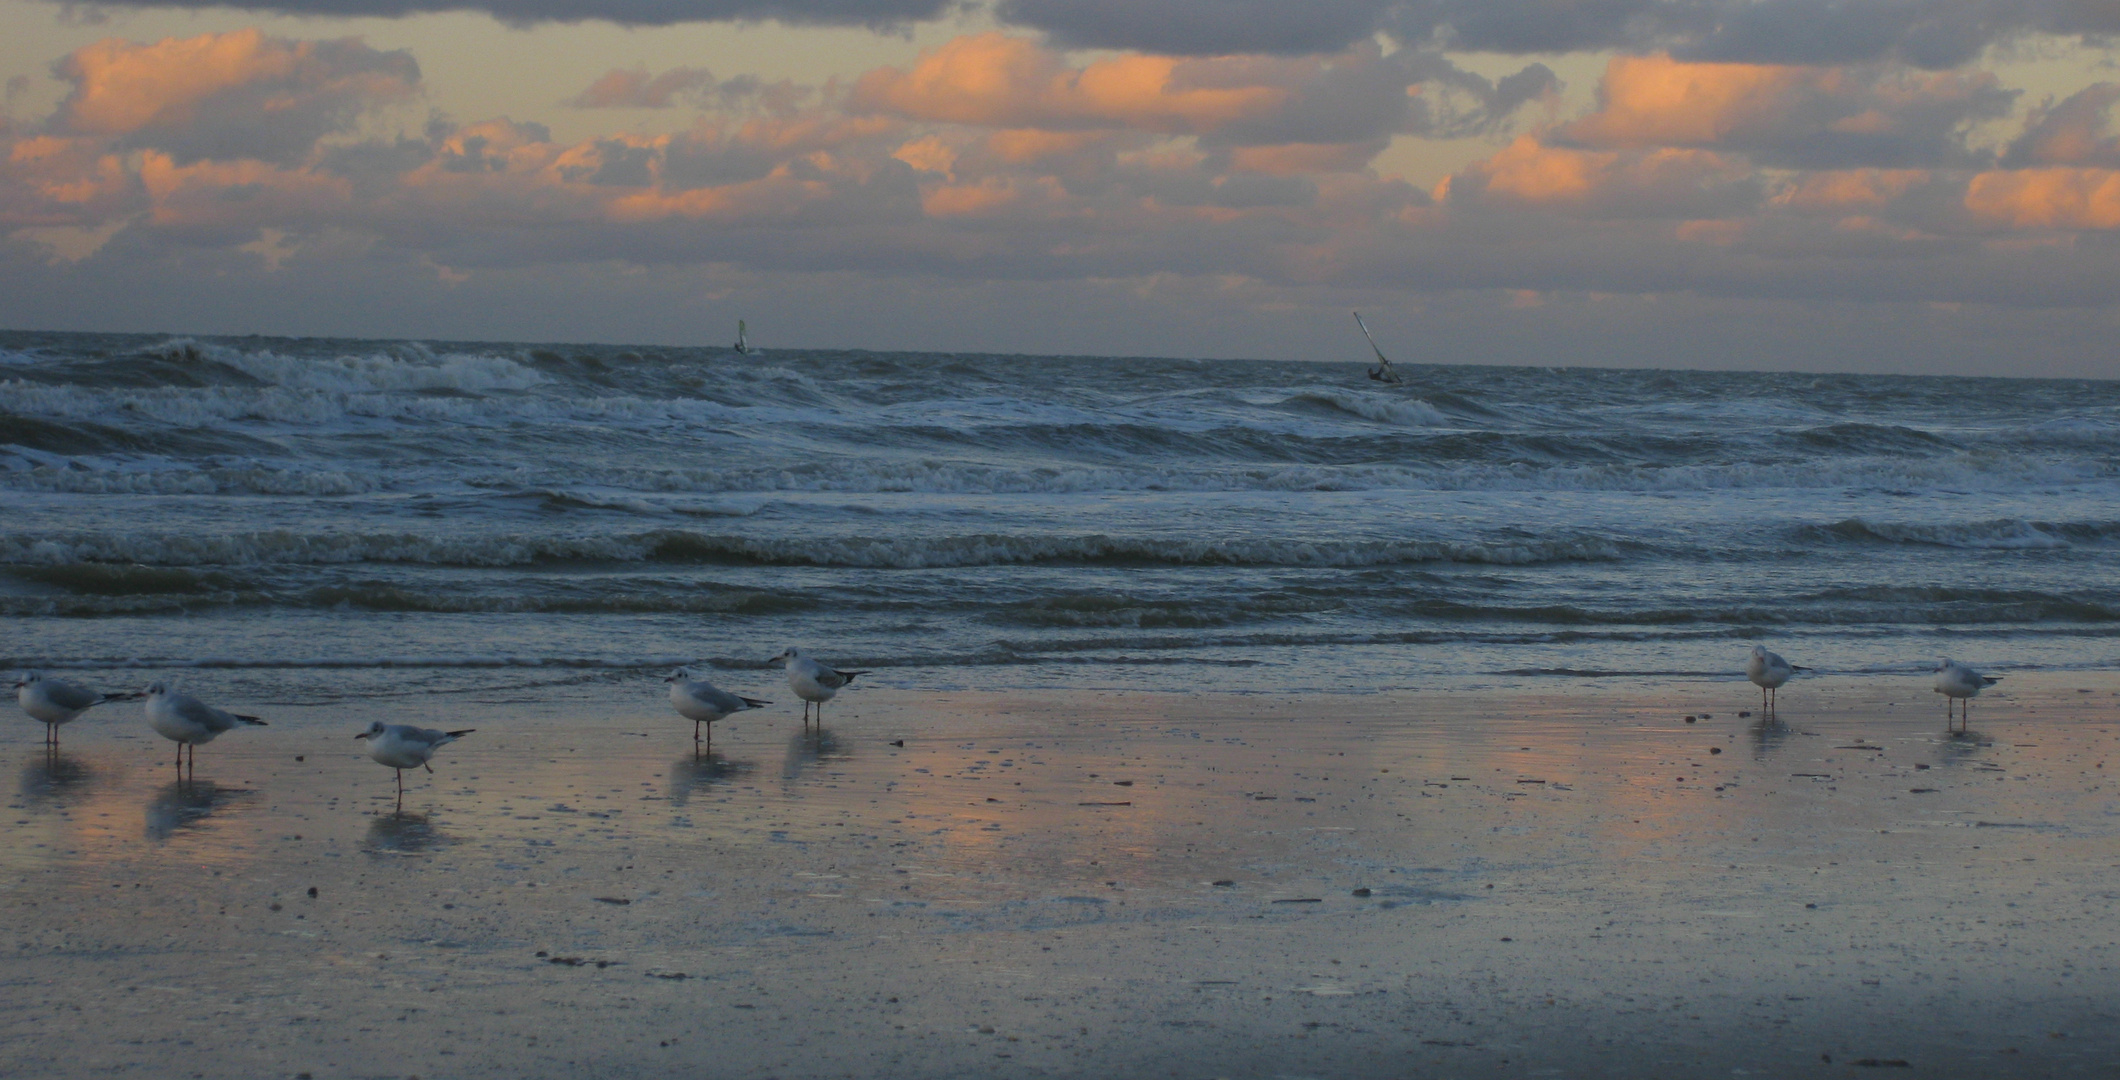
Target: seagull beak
pixel 362 735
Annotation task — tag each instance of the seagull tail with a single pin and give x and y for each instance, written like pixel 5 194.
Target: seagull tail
pixel 249 719
pixel 461 734
pixel 850 674
pixel 755 703
pixel 1990 680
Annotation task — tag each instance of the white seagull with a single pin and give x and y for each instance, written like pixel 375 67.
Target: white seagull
pixel 56 701
pixel 187 721
pixel 402 746
pixel 703 702
pixel 1768 671
pixel 1957 682
pixel 813 682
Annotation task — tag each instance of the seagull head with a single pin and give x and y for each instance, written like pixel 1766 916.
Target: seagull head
pixel 680 675
pixel 158 688
pixel 1759 652
pixel 374 730
pixel 1943 664
pixel 28 679
pixel 793 654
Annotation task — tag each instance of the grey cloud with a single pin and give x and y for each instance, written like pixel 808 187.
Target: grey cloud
pixel 2074 132
pixel 1926 33
pixel 1200 27
pixel 876 14
pixel 637 88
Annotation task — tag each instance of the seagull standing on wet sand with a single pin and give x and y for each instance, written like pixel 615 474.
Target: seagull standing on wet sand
pixel 703 702
pixel 1957 682
pixel 813 682
pixel 1768 671
pixel 56 702
pixel 187 721
pixel 402 746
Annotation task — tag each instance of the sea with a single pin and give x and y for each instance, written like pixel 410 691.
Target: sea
pixel 312 520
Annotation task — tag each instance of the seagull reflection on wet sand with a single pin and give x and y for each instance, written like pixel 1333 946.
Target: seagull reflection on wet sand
pixel 181 805
pixel 55 778
pixel 404 833
pixel 819 746
pixel 695 773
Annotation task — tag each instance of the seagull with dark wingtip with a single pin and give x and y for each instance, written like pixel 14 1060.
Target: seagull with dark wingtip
pixel 187 721
pixel 402 746
pixel 56 702
pixel 813 682
pixel 703 702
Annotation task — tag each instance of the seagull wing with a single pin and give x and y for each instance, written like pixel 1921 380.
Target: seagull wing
pixel 68 696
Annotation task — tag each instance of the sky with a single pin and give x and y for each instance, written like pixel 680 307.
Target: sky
pixel 1923 186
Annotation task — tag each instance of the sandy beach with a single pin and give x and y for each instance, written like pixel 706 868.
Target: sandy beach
pixel 1579 883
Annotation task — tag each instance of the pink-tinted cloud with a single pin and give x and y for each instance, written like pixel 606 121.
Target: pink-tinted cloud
pixel 994 80
pixel 2051 198
pixel 239 94
pixel 1661 182
pixel 637 89
pixel 1790 115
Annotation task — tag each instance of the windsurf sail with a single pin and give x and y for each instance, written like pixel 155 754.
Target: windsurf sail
pixel 1382 372
pixel 743 344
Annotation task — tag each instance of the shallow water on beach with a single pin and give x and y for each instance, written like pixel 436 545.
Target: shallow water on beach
pixel 1085 884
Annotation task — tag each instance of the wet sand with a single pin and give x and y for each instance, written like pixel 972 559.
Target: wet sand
pixel 1114 885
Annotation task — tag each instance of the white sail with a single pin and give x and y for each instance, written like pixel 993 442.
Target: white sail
pixel 743 343
pixel 1383 372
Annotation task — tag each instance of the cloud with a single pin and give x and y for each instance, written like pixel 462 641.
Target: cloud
pixel 2071 133
pixel 2060 198
pixel 240 94
pixel 1788 116
pixel 1663 183
pixel 875 14
pixel 1933 34
pixel 1355 97
pixel 1200 27
pixel 636 88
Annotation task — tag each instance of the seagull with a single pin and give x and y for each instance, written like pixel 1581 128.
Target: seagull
pixel 402 746
pixel 56 702
pixel 1957 681
pixel 187 721
pixel 1768 671
pixel 703 702
pixel 813 682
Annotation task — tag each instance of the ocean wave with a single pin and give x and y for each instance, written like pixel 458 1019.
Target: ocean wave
pixel 409 366
pixel 1999 533
pixel 282 547
pixel 1382 408
pixel 247 481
